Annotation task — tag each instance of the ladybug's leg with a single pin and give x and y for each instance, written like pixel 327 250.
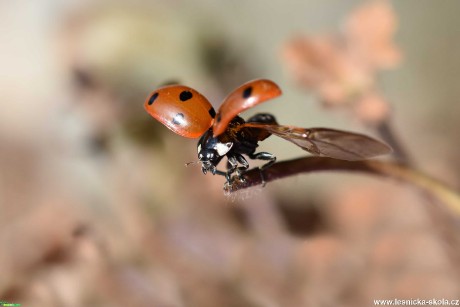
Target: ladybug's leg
pixel 271 158
pixel 232 165
pixel 244 163
pixel 217 172
pixel 244 166
pixel 264 156
pixel 225 174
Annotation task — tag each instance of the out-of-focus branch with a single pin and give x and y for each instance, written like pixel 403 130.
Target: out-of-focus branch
pixel 386 132
pixel 387 169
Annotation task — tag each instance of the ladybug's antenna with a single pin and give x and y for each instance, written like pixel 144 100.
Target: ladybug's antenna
pixel 191 163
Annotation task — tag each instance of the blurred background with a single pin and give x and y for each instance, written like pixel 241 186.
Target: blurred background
pixel 98 209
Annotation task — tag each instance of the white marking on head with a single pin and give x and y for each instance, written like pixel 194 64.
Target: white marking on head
pixel 199 148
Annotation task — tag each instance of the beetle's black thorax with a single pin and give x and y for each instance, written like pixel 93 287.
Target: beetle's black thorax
pixel 241 140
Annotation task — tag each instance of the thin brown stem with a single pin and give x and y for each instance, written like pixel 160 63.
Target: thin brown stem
pixel 388 169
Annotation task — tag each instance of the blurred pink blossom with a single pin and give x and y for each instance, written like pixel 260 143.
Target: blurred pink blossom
pixel 341 68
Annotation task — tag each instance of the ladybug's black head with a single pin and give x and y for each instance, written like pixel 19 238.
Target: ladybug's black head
pixel 209 159
pixel 211 151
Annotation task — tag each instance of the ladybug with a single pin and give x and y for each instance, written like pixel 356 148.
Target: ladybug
pixel 224 134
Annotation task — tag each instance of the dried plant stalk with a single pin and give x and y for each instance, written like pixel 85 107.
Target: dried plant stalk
pixel 388 169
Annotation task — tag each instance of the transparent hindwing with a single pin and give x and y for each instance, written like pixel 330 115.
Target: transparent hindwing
pixel 332 143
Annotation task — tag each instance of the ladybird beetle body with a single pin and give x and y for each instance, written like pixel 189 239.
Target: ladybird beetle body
pixel 188 113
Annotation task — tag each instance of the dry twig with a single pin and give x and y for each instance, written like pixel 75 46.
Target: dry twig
pixel 388 169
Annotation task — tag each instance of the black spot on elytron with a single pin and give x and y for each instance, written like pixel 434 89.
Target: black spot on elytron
pixel 212 112
pixel 153 98
pixel 185 95
pixel 219 117
pixel 247 92
pixel 178 119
